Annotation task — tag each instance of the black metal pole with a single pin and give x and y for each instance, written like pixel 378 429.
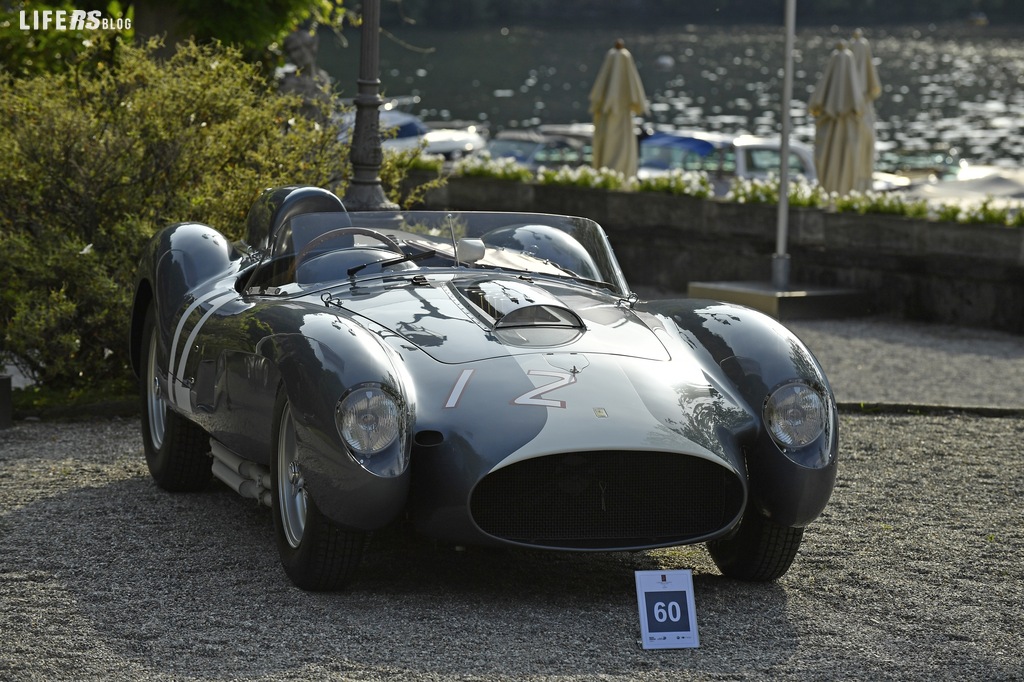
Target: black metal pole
pixel 365 192
pixel 6 402
pixel 780 260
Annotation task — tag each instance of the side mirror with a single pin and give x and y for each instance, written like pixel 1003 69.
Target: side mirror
pixel 470 250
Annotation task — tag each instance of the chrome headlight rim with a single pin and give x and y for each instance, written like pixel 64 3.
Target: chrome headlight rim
pixel 797 414
pixel 370 419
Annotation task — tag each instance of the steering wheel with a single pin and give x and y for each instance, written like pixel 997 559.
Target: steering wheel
pixel 340 232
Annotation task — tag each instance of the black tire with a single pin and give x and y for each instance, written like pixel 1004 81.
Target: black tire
pixel 761 550
pixel 176 449
pixel 317 554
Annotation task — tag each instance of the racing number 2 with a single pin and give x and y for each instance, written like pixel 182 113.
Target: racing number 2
pixel 535 396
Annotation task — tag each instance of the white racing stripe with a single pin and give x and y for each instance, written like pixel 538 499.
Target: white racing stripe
pixel 597 408
pixel 179 393
pixel 460 386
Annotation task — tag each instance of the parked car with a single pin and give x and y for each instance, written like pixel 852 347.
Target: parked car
pixel 722 156
pixel 533 148
pixel 403 131
pixel 489 376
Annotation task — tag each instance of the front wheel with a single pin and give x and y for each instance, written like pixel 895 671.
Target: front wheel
pixel 176 449
pixel 317 554
pixel 761 550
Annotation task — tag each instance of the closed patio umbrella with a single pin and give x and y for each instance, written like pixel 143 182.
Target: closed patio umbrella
pixel 864 61
pixel 837 105
pixel 617 95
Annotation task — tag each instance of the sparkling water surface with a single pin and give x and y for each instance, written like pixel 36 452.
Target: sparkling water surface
pixel 944 87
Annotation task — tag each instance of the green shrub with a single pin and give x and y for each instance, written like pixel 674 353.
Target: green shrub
pixel 1010 214
pixel 583 176
pixel 398 164
pixel 984 212
pixel 678 182
pixel 948 212
pixel 889 203
pixel 801 191
pixel 1016 216
pixel 481 165
pixel 97 158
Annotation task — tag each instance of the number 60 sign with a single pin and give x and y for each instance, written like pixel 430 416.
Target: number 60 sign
pixel 668 615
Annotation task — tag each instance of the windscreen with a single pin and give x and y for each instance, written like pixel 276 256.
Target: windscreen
pixel 552 245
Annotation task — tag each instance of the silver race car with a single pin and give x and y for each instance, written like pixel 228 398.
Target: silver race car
pixel 489 376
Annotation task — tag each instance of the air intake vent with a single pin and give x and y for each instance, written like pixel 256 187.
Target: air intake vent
pixel 607 500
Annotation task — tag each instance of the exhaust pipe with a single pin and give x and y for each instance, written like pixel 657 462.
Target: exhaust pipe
pixel 246 478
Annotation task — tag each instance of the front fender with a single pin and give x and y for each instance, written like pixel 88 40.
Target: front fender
pixel 755 355
pixel 317 367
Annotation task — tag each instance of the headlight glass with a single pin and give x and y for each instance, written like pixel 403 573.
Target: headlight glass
pixel 369 420
pixel 795 415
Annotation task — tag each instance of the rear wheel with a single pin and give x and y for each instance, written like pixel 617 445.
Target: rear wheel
pixel 317 554
pixel 761 550
pixel 176 449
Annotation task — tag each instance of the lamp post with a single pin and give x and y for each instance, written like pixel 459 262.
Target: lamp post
pixel 780 260
pixel 364 192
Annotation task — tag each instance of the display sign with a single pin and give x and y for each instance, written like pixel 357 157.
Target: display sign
pixel 668 613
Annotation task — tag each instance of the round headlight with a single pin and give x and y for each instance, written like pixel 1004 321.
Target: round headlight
pixel 369 420
pixel 795 415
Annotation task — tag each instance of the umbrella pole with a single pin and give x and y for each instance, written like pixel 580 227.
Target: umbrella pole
pixel 780 260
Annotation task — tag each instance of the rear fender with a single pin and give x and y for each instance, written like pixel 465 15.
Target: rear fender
pixel 177 260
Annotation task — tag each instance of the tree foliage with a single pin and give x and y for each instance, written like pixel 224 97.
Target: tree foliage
pixel 29 52
pixel 449 13
pixel 255 27
pixel 94 160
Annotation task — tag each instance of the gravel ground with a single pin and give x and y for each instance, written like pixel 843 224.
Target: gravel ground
pixel 892 362
pixel 914 572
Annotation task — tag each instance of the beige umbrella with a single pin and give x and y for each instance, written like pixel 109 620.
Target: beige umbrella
pixel 837 105
pixel 864 61
pixel 616 96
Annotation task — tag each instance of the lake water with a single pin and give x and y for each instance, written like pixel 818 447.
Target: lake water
pixel 944 87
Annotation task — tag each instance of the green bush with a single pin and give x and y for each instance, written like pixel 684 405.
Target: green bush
pixel 397 166
pixel 888 203
pixel 986 212
pixel 802 192
pixel 678 182
pixel 94 160
pixel 481 165
pixel 948 212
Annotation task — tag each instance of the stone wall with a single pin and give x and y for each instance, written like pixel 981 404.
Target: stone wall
pixel 969 275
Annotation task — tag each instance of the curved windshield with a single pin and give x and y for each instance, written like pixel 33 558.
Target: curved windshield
pixel 321 248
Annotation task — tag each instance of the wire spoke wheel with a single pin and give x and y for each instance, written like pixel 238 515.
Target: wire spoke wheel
pixel 291 492
pixel 317 554
pixel 176 448
pixel 156 408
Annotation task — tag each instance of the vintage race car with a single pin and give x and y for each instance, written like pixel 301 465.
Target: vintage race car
pixel 487 376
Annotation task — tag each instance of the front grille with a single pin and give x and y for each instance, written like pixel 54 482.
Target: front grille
pixel 607 500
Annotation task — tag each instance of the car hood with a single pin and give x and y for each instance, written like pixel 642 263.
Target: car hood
pixel 466 319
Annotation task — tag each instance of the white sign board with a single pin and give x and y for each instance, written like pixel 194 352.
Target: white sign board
pixel 668 613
